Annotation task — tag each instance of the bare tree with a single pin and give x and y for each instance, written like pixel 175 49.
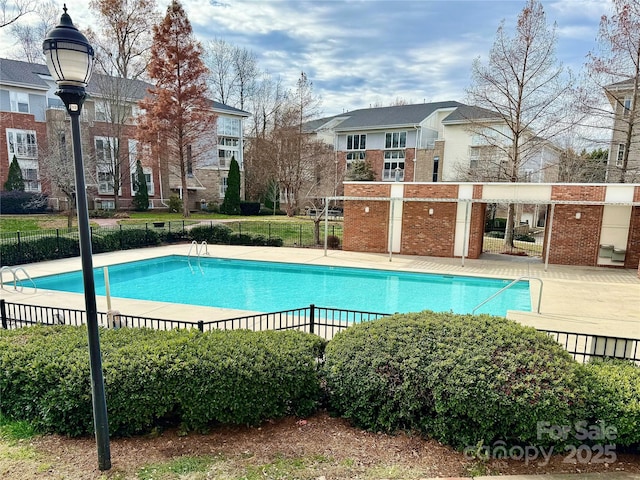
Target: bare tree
pixel 123 41
pixel 29 35
pixel 122 44
pixel 524 85
pixel 218 58
pixel 615 70
pixel 294 147
pixel 234 73
pixel 12 11
pixel 178 111
pixel 267 105
pixel 56 161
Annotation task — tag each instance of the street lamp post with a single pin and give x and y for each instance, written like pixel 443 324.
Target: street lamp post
pixel 70 59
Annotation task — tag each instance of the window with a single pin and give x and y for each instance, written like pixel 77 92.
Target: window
pixel 229 126
pixel 19 102
pixel 105 149
pixel 101 112
pixel 357 142
pixel 626 107
pixel 436 166
pixel 474 157
pixel 227 148
pixel 22 144
pixel 395 140
pixel 620 157
pixel 354 157
pixel 148 177
pixel 223 186
pixel 393 160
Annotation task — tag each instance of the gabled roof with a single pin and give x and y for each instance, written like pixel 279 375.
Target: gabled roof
pixel 622 85
pixel 26 74
pixel 465 113
pixel 17 73
pixel 395 116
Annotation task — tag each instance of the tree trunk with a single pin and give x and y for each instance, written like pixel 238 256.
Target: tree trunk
pixel 509 229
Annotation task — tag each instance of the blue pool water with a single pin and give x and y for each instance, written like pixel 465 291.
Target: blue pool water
pixel 269 286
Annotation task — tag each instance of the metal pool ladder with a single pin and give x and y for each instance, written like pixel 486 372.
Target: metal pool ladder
pixel 14 272
pixel 508 287
pixel 199 248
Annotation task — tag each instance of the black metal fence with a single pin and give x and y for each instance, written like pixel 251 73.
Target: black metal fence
pixel 322 321
pixel 25 247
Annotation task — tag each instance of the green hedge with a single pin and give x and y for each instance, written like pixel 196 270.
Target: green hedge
pixel 461 379
pixel 152 377
pixel 222 234
pixel 39 250
pixel 613 399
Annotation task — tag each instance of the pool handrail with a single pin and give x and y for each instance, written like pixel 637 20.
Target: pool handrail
pixel 14 271
pixel 519 279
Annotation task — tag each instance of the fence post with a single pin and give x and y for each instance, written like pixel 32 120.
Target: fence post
pixel 19 248
pixel 312 311
pixel 121 239
pixel 201 325
pixel 3 312
pixel 300 236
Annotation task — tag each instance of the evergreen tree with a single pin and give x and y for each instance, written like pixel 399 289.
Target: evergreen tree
pixel 15 180
pixel 231 203
pixel 360 171
pixel 141 197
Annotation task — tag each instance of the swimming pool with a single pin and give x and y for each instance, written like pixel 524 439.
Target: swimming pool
pixel 270 286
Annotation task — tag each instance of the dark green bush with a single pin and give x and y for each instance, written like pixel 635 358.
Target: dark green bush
pixel 240 239
pixel 524 238
pixel 613 399
pixel 495 234
pixel 274 242
pixel 109 241
pixel 47 248
pixel 333 242
pixel 249 208
pixel 19 203
pixel 212 234
pixel 461 379
pixel 152 377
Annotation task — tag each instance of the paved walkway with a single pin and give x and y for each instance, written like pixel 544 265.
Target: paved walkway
pixel 593 300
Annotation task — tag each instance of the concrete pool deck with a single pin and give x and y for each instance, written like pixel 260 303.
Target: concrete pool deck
pixel 594 300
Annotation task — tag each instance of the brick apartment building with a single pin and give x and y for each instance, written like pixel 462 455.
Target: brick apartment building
pixel 34 123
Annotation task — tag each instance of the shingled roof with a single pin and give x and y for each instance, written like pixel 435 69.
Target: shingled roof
pixel 395 116
pixel 26 74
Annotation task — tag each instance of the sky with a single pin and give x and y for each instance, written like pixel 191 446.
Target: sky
pixel 359 53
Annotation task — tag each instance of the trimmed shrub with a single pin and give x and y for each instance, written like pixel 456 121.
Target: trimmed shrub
pixel 175 204
pixel 17 202
pixel 214 233
pixel 524 238
pixel 249 208
pixel 47 248
pixel 124 239
pixel 275 242
pixel 333 242
pixel 613 399
pixel 461 379
pixel 153 377
pixel 240 239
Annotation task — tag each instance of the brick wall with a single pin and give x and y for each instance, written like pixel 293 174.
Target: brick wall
pixel 476 230
pixel 367 227
pixel 20 121
pixel 632 258
pixel 578 192
pixel 576 241
pixel 424 234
